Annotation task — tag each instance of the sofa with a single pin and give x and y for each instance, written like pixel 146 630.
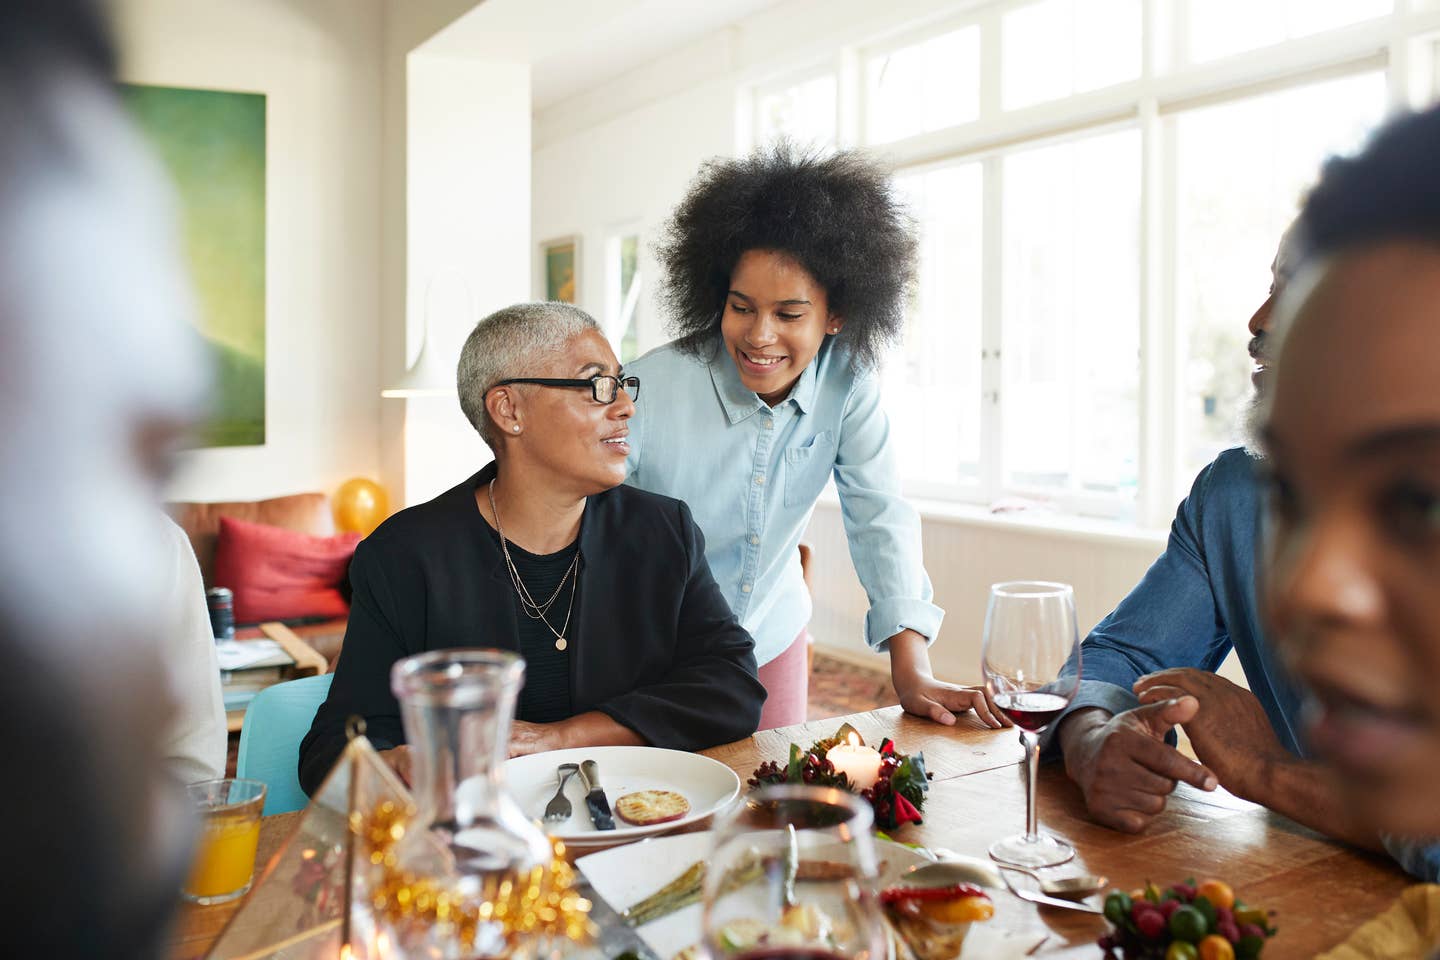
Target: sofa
pixel 308 513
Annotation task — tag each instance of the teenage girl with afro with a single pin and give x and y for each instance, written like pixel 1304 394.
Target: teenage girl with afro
pixel 784 278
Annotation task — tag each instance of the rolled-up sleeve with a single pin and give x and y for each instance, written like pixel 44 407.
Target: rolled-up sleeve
pixel 882 527
pixel 1168 620
pixel 712 693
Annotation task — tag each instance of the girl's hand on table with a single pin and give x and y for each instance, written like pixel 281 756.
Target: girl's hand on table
pixel 924 696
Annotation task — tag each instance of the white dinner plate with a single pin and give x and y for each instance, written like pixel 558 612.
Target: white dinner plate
pixel 707 784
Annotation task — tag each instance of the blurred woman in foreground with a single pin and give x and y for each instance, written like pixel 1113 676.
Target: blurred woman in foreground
pixel 1352 438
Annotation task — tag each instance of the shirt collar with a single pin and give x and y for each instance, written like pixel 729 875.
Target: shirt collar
pixel 740 402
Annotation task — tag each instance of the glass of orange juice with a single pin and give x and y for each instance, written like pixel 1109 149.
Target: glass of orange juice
pixel 229 830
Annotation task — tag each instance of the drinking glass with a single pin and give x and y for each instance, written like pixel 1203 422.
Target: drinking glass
pixel 1030 634
pixel 229 831
pixel 792 877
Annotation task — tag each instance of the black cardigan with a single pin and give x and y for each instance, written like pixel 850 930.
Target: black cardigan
pixel 653 643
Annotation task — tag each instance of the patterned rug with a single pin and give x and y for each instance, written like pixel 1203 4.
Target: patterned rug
pixel 838 687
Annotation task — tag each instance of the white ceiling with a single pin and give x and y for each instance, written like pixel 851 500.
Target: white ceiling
pixel 575 45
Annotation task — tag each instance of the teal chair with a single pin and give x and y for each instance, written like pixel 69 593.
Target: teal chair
pixel 275 723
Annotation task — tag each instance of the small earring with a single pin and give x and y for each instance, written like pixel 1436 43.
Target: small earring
pixel 516 428
pixel 834 329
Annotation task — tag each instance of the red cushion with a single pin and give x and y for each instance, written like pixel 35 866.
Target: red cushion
pixel 279 574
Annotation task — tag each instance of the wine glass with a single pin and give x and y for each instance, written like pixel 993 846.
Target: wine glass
pixel 792 877
pixel 1030 634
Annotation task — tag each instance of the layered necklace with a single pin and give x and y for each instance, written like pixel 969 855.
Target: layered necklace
pixel 533 610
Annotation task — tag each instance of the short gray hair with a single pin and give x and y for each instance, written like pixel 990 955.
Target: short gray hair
pixel 512 342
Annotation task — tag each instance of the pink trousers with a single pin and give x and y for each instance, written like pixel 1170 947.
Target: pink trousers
pixel 787 685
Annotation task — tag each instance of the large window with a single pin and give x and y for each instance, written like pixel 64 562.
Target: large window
pixel 1099 186
pixel 1241 169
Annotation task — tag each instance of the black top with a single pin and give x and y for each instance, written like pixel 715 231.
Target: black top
pixel 652 642
pixel 545 697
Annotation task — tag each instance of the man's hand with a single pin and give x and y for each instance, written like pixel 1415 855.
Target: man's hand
pixel 398 760
pixel 1123 764
pixel 921 694
pixel 1230 732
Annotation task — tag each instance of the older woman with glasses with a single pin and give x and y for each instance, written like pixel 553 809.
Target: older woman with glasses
pixel 602 588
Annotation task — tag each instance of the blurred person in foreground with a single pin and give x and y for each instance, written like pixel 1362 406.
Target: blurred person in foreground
pixel 96 376
pixel 1150 665
pixel 603 589
pixel 1352 441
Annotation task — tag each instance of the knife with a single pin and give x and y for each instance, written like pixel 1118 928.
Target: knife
pixel 614 937
pixel 595 800
pixel 1041 898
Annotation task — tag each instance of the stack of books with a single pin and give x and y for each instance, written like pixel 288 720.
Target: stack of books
pixel 249 666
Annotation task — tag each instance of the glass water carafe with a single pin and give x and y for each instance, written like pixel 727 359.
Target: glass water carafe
pixel 469 843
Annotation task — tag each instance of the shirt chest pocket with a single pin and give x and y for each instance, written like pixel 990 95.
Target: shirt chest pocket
pixel 807 466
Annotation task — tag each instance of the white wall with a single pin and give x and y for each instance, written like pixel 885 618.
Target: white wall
pixel 318 63
pixel 628 173
pixel 468 226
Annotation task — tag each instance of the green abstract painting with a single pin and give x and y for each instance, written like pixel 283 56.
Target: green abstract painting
pixel 213 145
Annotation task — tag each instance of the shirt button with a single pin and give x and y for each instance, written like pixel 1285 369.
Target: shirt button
pixel 759 480
pixel 754 539
pixel 744 588
pixel 769 424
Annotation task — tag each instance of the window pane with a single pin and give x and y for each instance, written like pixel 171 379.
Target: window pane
pixel 1219 28
pixel 931 381
pixel 924 87
pixel 1242 169
pixel 623 286
pixel 1054 48
pixel 805 113
pixel 1071 316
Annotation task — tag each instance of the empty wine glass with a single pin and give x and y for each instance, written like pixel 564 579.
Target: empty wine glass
pixel 792 877
pixel 1030 634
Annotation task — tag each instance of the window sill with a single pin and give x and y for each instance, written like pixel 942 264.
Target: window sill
pixel 1040 524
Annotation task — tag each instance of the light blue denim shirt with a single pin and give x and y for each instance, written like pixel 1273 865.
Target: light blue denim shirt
pixel 751 475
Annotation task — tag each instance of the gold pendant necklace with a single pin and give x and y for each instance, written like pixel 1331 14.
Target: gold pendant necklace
pixel 527 603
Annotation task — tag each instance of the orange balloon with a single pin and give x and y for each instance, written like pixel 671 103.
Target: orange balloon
pixel 360 506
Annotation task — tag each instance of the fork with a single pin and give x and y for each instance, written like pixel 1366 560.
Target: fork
pixel 559 806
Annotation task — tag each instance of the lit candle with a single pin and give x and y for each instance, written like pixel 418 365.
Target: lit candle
pixel 861 764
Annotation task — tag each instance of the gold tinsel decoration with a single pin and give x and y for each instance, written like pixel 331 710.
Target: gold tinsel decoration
pixel 538 904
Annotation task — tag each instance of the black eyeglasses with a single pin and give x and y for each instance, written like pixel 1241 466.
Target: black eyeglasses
pixel 603 387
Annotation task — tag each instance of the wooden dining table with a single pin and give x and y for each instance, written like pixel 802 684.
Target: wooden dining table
pixel 1319 890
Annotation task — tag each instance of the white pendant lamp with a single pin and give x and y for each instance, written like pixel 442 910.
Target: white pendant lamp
pixel 431 375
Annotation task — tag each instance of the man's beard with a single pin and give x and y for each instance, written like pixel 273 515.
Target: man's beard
pixel 1252 423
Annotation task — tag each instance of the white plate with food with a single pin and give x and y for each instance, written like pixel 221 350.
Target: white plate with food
pixel 657 790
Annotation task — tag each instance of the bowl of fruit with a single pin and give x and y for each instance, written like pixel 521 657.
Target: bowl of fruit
pixel 1187 921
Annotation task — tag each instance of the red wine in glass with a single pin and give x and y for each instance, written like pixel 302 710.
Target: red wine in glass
pixel 1031 711
pixel 1030 659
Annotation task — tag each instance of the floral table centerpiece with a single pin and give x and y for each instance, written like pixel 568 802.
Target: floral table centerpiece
pixel 893 783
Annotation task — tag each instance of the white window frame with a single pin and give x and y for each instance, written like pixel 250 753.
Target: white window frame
pixel 1405 43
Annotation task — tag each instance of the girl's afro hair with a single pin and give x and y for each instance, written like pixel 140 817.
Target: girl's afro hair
pixel 838 216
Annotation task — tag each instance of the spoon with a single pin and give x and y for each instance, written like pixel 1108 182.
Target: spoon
pixel 1068 888
pixel 982 873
